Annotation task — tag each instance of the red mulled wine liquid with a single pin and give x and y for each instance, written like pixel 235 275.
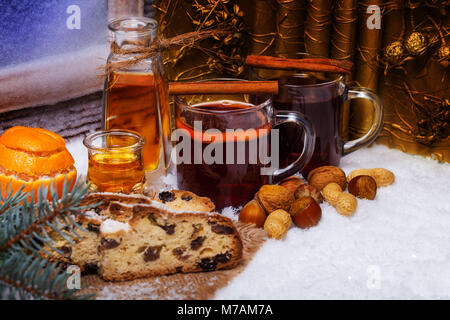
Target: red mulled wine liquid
pixel 321 103
pixel 235 180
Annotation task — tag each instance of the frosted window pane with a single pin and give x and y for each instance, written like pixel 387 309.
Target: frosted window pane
pixel 31 29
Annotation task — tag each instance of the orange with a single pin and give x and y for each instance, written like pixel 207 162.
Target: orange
pixel 34 157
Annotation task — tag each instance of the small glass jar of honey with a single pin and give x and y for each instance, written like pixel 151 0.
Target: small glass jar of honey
pixel 115 161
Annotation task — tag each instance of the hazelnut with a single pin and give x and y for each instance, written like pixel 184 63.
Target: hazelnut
pixel 274 197
pixel 331 193
pixel 359 172
pixel 346 204
pixel 382 177
pixel 253 213
pixel 305 212
pixel 292 183
pixel 363 187
pixel 322 176
pixel 277 224
pixel 308 190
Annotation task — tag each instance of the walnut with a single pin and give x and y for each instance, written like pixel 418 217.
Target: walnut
pixel 308 190
pixel 322 176
pixel 274 197
pixel 292 183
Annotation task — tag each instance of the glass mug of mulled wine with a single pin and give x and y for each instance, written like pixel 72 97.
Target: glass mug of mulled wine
pixel 227 146
pixel 320 100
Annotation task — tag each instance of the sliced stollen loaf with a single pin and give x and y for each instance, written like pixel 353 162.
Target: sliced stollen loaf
pixel 180 200
pixel 183 239
pixel 84 250
pixel 158 241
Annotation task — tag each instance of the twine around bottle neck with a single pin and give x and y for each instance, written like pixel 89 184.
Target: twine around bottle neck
pixel 142 51
pixel 134 48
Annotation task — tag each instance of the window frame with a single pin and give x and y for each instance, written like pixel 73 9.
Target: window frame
pixel 77 83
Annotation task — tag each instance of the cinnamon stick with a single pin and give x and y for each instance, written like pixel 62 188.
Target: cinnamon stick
pixel 306 64
pixel 223 87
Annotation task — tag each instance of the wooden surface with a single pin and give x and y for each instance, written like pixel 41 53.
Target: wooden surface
pixel 69 118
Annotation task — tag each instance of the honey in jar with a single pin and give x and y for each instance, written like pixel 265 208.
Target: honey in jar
pixel 136 94
pixel 132 104
pixel 115 161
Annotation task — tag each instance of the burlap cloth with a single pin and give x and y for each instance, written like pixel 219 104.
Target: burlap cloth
pixel 179 286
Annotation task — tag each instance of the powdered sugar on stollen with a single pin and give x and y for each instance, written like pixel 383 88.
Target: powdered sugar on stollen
pixel 111 226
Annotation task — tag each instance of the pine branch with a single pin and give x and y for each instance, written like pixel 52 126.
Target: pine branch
pixel 10 201
pixel 24 276
pixel 25 225
pixel 25 222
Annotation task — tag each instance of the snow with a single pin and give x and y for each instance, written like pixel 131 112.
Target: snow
pixel 79 153
pixel 394 247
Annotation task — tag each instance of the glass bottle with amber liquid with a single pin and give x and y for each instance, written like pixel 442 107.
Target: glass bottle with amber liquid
pixel 136 89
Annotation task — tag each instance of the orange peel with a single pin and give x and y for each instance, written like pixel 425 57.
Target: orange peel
pixel 34 157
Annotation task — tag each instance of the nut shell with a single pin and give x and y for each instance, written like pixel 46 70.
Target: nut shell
pixel 383 177
pixel 274 197
pixel 322 176
pixel 331 193
pixel 305 212
pixel 363 187
pixel 308 190
pixel 283 216
pixel 359 172
pixel 277 224
pixel 292 183
pixel 346 204
pixel 253 213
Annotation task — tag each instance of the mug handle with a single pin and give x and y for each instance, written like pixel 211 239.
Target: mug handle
pixel 377 124
pixel 284 116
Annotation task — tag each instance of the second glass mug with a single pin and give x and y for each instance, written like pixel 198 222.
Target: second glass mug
pixel 242 125
pixel 321 102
